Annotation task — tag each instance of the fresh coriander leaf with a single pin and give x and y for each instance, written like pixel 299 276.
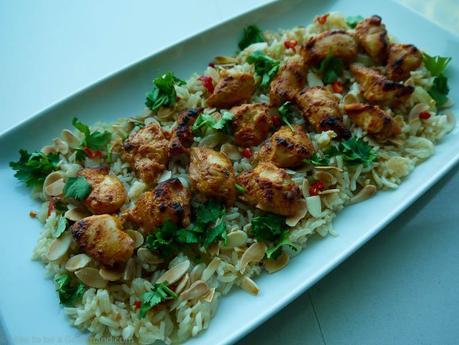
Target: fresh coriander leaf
pixel 274 251
pixel 240 188
pixel 265 66
pixel 223 122
pixel 352 21
pixel 162 239
pixel 436 64
pixel 68 294
pixel 94 141
pixel 187 236
pixel 357 151
pixel 163 93
pixel 206 121
pixel 77 188
pixel 252 34
pixel 209 212
pixel 158 294
pixel 219 230
pixel 285 113
pixel 317 159
pixel 331 68
pixel 439 90
pixel 60 227
pixel 32 168
pixel 268 227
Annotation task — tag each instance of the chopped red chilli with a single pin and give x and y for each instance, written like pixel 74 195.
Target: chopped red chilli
pixel 424 115
pixel 316 187
pixel 290 44
pixel 92 154
pixel 137 304
pixel 322 19
pixel 207 82
pixel 337 87
pixel 247 153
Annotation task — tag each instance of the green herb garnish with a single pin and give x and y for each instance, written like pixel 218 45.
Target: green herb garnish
pixel 285 112
pixel 32 168
pixel 240 188
pixel 331 68
pixel 94 141
pixel 265 66
pixel 60 227
pixel 77 188
pixel 352 21
pixel 252 34
pixel 437 66
pixel 163 93
pixel 207 121
pixel 158 294
pixel 68 294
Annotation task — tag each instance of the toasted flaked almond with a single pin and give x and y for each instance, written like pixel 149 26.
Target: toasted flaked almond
pixel 175 273
pixel 325 177
pixel 451 119
pixel 54 184
pixel 254 253
pixel 166 175
pixel 110 275
pixel 272 266
pixel 224 60
pixel 129 270
pixel 196 272
pixel 314 206
pixel 90 277
pixel 70 138
pixel 350 98
pixel 328 167
pixel 208 297
pixel 48 149
pixel 76 262
pixel 214 249
pixel 182 283
pixel 76 214
pixel 329 191
pixel 300 214
pixel 236 238
pixel 210 269
pixel 136 236
pixel 196 290
pixel 305 187
pixel 363 194
pixel 231 151
pixel 213 140
pixel 59 246
pixel 249 285
pixel 61 145
pixel 146 256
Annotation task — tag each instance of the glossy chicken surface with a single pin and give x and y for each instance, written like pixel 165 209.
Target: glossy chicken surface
pixel 288 82
pixel 169 200
pixel 147 152
pixel 373 120
pixel 372 36
pixel 211 174
pixel 107 192
pixel 321 109
pixel 182 135
pixel 286 148
pixel 252 124
pixel 270 189
pixel 403 58
pixel 102 238
pixel 231 90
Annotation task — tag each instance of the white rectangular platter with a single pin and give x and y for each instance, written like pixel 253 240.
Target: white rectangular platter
pixel 28 304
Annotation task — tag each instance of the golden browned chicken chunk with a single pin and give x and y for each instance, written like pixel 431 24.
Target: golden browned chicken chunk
pixel 182 135
pixel 373 120
pixel 170 200
pixel 338 43
pixel 147 152
pixel 103 239
pixel 372 36
pixel 286 148
pixel 403 58
pixel 288 82
pixel 107 192
pixel 212 174
pixel 320 108
pixel 376 87
pixel 270 189
pixel 231 90
pixel 252 123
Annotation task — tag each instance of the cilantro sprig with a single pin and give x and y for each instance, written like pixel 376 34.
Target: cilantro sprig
pixel 265 66
pixel 163 92
pixel 207 121
pixel 252 34
pixel 158 294
pixel 93 142
pixel 68 294
pixel 77 188
pixel 331 68
pixel 32 168
pixel 286 113
pixel 271 228
pixel 437 66
pixel 352 21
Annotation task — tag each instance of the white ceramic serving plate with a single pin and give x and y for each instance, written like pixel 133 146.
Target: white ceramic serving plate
pixel 28 302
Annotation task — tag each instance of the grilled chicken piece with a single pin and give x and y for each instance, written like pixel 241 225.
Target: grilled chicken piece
pixel 147 152
pixel 372 36
pixel 170 200
pixel 212 174
pixel 103 239
pixel 286 148
pixel 377 88
pixel 231 90
pixel 321 109
pixel 338 43
pixel 373 120
pixel 270 189
pixel 107 192
pixel 403 58
pixel 182 135
pixel 288 82
pixel 252 123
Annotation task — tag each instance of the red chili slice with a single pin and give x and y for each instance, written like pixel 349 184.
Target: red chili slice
pixel 290 44
pixel 316 187
pixel 322 19
pixel 424 115
pixel 337 87
pixel 207 82
pixel 247 153
pixel 92 154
